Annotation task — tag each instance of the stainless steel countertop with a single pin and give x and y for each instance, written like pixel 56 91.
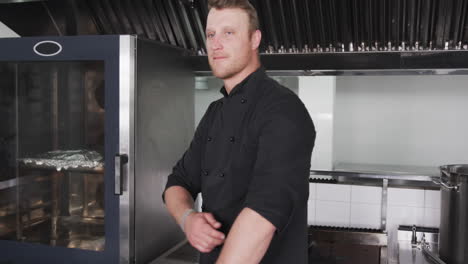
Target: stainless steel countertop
pixel 413 255
pixel 366 174
pixel 183 253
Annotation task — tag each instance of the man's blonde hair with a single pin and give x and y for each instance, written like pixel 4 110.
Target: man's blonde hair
pixel 241 4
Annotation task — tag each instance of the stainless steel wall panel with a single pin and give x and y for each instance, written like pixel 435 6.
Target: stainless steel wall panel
pixel 164 128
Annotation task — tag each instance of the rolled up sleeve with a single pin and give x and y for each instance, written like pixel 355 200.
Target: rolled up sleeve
pixel 280 177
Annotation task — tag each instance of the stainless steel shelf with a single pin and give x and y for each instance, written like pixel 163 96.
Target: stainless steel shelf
pixel 8 184
pixel 370 174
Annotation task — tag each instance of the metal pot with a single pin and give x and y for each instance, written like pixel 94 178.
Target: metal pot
pixel 453 238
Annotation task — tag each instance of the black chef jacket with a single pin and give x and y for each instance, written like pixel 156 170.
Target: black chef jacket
pixel 253 149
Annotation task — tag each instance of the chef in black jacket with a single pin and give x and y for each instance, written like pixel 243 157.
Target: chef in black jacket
pixel 250 156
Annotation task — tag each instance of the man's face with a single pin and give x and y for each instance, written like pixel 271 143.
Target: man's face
pixel 228 41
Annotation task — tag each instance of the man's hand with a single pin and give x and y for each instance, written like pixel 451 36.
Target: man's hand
pixel 200 229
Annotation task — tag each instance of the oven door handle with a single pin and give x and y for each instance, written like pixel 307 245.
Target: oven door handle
pixel 120 160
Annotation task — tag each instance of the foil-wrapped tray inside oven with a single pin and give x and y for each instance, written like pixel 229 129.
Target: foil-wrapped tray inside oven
pixel 66 160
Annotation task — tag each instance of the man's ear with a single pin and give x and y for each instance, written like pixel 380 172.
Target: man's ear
pixel 256 39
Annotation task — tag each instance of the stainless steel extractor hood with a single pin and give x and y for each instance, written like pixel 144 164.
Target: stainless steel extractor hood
pixel 306 35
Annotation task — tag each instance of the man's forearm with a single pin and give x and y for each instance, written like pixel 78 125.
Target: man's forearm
pixel 178 201
pixel 248 240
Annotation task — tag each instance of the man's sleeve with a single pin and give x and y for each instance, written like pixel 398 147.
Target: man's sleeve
pixel 280 176
pixel 186 172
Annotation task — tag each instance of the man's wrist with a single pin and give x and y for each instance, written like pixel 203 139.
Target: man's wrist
pixel 184 217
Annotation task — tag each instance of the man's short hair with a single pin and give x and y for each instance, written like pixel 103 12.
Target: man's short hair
pixel 241 4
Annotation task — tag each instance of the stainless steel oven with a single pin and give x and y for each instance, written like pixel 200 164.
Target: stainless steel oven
pixel 84 122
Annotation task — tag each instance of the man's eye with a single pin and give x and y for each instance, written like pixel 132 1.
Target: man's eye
pixel 229 33
pixel 210 35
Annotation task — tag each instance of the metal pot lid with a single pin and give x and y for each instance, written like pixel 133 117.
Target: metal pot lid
pixel 460 169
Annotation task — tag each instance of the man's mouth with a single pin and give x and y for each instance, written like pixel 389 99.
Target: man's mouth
pixel 219 57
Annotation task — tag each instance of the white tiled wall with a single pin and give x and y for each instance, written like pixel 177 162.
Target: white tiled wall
pixel 405 197
pixel 311 212
pixel 332 204
pixel 345 205
pixel 334 192
pixel 432 199
pixel 366 206
pixel 332 213
pixel 393 121
pixel 431 208
pixel 365 215
pixel 360 206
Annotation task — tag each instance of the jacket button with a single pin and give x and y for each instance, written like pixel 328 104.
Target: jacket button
pixel 205 173
pixel 243 101
pixel 210 139
pixel 232 139
pixel 221 175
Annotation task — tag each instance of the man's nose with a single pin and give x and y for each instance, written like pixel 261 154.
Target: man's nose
pixel 216 43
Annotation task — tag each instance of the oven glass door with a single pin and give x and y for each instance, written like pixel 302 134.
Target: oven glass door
pixel 52 163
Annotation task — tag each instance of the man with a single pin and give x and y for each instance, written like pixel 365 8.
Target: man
pixel 250 156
